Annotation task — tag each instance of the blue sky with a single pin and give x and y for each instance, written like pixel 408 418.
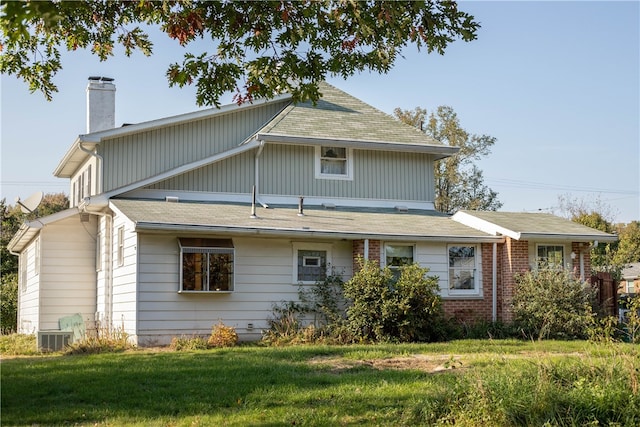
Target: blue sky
pixel 557 83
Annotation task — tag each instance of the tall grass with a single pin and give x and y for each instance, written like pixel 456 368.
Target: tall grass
pixel 490 383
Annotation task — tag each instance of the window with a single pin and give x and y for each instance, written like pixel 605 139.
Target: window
pixel 462 269
pixel 99 252
pixel 87 183
pixel 334 163
pixel 397 256
pixel 37 257
pixel 310 262
pixel 207 265
pixel 120 242
pixel 23 270
pixel 630 286
pixel 551 255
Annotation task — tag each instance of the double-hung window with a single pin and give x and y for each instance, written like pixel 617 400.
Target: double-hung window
pixel 463 268
pixel 550 256
pixel 207 265
pixel 334 163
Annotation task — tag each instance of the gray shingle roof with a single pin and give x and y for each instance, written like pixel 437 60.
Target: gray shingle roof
pixel 631 271
pixel 538 225
pixel 319 222
pixel 339 116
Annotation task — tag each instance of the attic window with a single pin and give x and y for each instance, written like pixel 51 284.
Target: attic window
pixel 334 163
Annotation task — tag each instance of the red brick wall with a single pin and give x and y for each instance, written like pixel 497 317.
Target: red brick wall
pixel 576 248
pixel 514 259
pixel 358 252
pixel 477 309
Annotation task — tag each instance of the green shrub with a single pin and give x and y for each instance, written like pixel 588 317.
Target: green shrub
pixel 632 322
pixel 9 303
pixel 222 336
pixel 18 345
pixel 184 343
pixel 105 340
pixel 552 303
pixel 383 308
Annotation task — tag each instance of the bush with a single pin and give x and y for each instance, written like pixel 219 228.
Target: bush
pixel 222 336
pixel 9 303
pixel 183 343
pixel 18 345
pixel 551 303
pixel 383 308
pixel 105 340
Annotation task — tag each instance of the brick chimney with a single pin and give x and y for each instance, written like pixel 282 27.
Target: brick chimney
pixel 101 104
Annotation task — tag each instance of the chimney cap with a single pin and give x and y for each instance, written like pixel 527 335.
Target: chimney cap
pixel 99 78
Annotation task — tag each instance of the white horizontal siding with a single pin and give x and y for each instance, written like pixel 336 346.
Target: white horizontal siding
pixel 123 298
pixel 67 271
pixel 263 271
pixel 29 293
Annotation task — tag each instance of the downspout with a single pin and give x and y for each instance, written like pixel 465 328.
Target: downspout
pixel 494 284
pixel 256 178
pixel 366 249
pixel 581 264
pixel 99 168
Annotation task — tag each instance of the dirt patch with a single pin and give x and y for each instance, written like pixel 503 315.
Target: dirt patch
pixel 417 362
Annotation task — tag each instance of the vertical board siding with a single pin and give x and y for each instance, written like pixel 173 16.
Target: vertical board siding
pixel 67 272
pixel 234 175
pixel 263 272
pixel 135 157
pixel 290 170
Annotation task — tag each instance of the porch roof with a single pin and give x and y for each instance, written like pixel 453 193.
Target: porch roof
pixel 317 222
pixel 531 226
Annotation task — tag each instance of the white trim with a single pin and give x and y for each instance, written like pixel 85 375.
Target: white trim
pixel 438 151
pixel 298 246
pixel 348 176
pixel 383 254
pixel 477 277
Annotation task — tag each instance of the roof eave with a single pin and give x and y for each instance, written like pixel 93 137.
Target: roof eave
pixel 573 237
pixel 440 151
pixel 288 232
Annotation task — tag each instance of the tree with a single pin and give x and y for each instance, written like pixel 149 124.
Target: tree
pixel 629 244
pixel 12 217
pixel 595 214
pixel 459 182
pixel 257 49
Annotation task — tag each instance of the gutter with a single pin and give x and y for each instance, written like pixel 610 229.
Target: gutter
pixel 441 151
pixel 195 228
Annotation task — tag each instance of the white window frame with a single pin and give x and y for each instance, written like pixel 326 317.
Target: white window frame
pixel 99 252
pixel 477 271
pixel 22 278
pixel 396 269
pixel 209 251
pixel 120 246
pixel 301 246
pixel 36 259
pixel 543 244
pixel 349 165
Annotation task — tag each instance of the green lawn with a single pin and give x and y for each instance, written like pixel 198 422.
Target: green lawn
pixel 468 383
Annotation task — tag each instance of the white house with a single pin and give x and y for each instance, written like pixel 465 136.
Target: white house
pixel 181 222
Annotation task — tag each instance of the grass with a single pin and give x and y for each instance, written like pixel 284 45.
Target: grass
pixel 466 383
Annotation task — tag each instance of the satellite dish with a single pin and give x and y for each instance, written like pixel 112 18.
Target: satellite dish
pixel 31 203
